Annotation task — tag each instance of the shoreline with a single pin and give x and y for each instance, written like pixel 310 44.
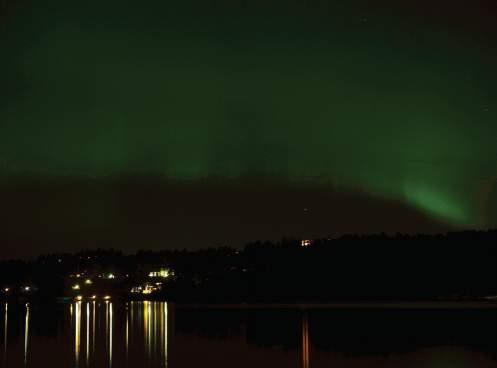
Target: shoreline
pixel 345 305
pixel 427 304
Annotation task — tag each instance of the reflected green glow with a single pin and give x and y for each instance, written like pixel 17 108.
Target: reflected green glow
pixel 450 359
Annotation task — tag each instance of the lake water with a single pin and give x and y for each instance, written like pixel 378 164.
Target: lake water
pixel 158 334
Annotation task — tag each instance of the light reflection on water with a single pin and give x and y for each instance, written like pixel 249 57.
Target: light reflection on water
pixel 305 342
pixel 77 330
pixel 5 329
pixel 26 334
pixel 151 318
pixel 113 334
pixel 87 333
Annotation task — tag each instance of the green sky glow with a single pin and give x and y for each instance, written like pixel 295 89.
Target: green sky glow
pixel 395 106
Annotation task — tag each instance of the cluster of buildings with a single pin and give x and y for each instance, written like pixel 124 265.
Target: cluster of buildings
pixel 83 285
pixel 305 243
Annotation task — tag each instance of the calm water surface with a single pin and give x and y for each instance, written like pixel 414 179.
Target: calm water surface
pixel 158 334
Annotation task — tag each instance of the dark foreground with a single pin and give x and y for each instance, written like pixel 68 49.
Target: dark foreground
pixel 158 334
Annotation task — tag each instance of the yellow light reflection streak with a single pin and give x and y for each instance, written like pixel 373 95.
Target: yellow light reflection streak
pixel 110 333
pixel 93 331
pixel 26 335
pixel 165 335
pixel 146 325
pixel 106 323
pixel 161 332
pixel 77 332
pixel 87 333
pixel 156 322
pixel 149 329
pixel 132 321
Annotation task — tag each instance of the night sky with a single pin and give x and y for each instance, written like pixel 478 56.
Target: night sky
pixel 202 123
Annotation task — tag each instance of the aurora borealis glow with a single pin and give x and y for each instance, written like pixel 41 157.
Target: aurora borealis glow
pixel 396 102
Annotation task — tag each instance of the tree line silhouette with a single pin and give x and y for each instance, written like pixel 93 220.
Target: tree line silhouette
pixel 455 266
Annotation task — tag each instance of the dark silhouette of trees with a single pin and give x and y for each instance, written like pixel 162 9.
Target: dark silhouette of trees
pixel 455 266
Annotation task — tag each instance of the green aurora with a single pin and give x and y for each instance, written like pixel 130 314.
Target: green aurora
pixel 382 100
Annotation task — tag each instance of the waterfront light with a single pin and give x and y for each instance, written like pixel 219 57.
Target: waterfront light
pixel 306 243
pixel 149 289
pixel 76 287
pixel 163 273
pixel 88 282
pixel 79 298
pixel 107 297
pixel 146 289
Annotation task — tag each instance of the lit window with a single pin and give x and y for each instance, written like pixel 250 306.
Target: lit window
pixel 163 273
pixel 305 243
